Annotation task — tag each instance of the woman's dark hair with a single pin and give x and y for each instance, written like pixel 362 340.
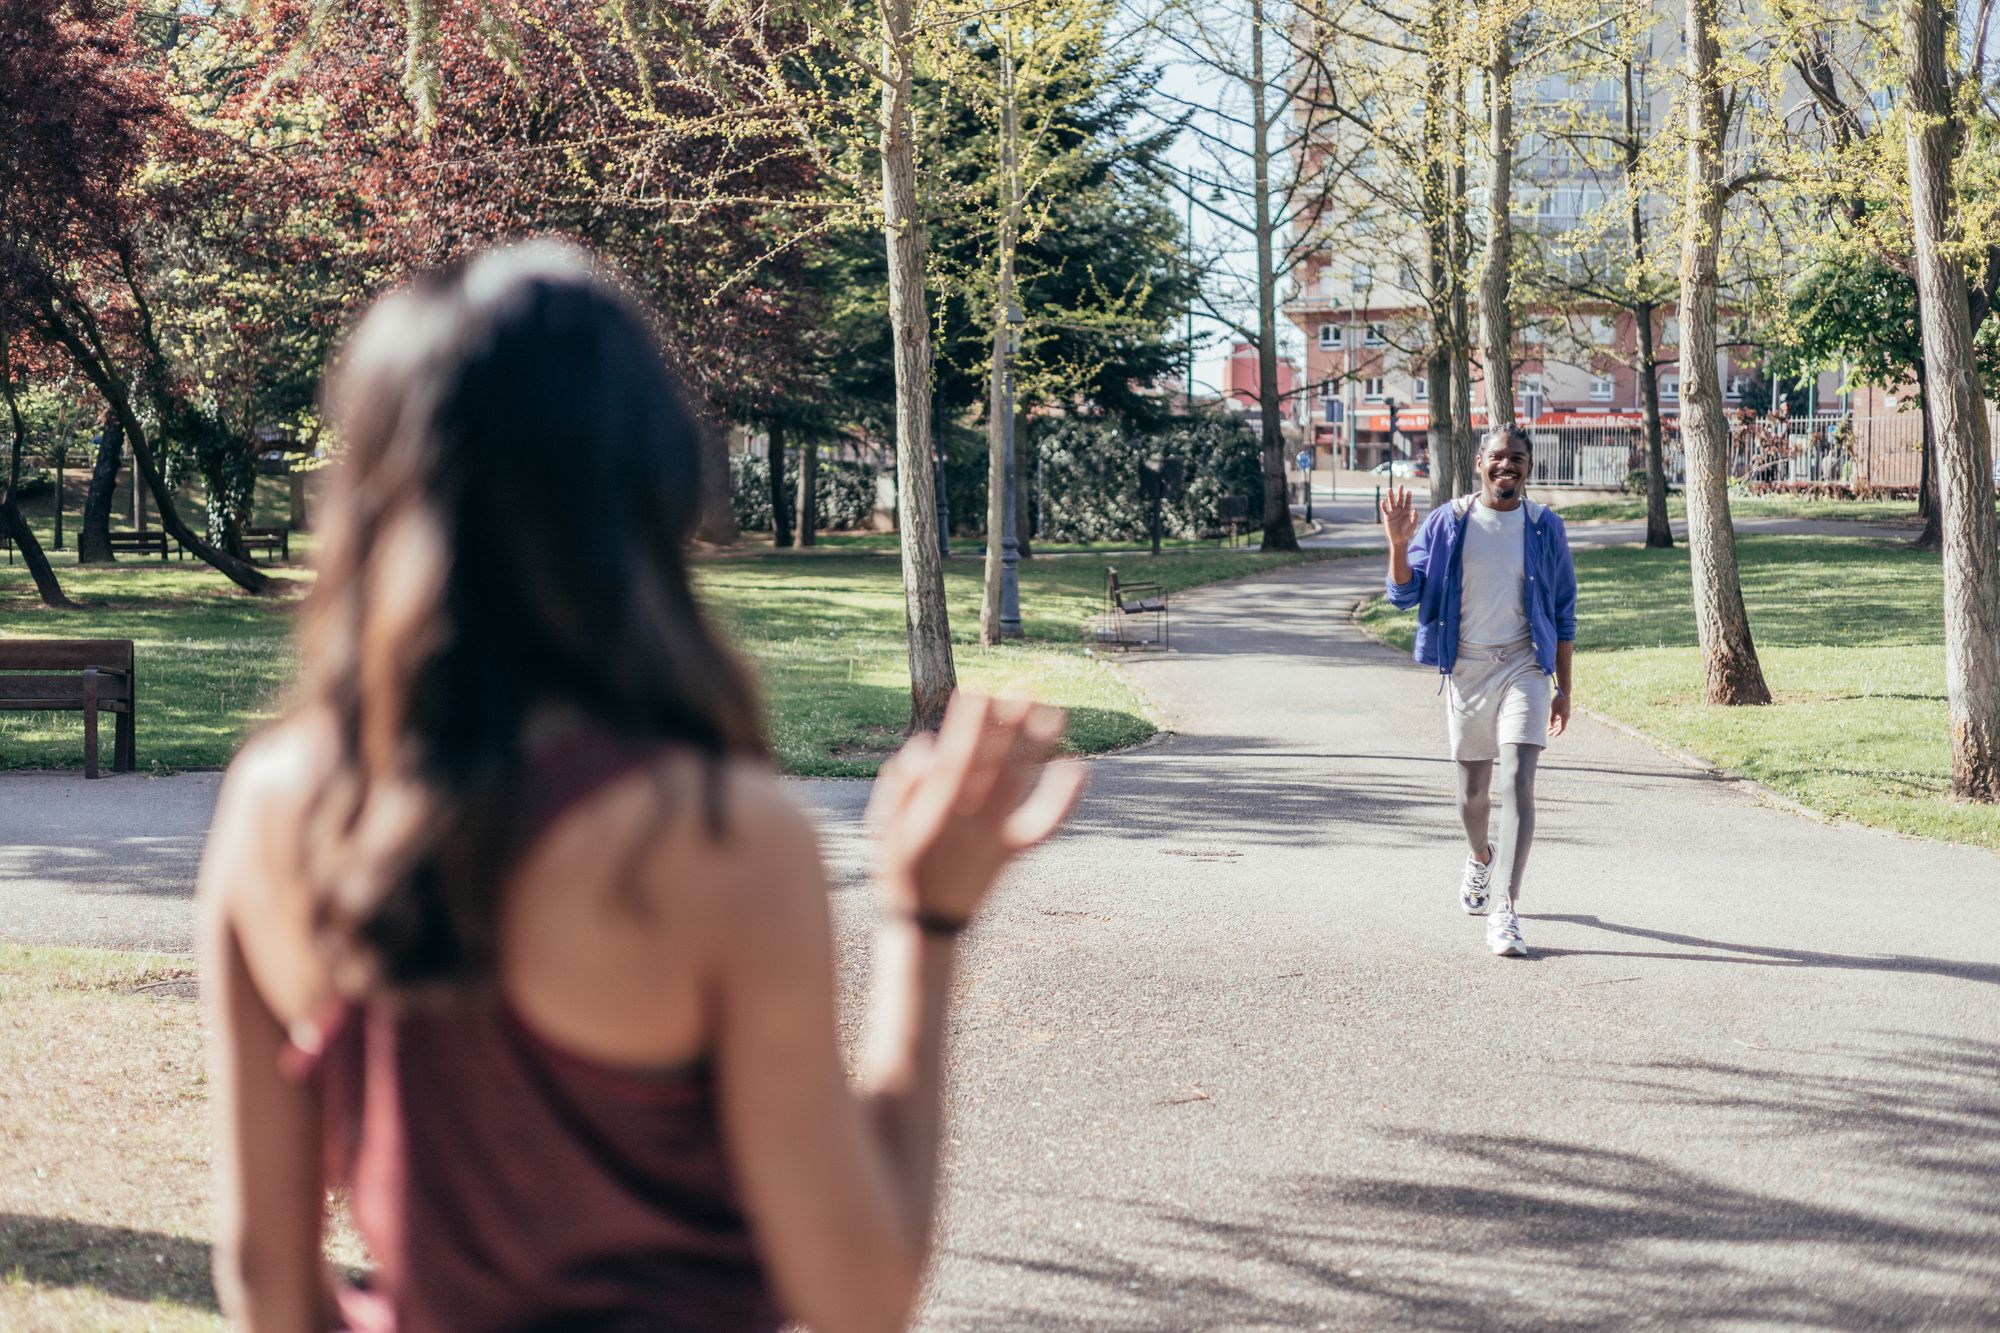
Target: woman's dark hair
pixel 506 540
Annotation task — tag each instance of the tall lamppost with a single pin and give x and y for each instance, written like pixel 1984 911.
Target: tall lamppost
pixel 1010 545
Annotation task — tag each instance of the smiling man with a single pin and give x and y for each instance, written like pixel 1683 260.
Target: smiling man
pixel 1495 592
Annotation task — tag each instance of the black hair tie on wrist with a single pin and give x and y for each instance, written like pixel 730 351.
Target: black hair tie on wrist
pixel 940 927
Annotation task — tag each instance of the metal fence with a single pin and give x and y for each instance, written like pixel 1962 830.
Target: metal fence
pixel 1827 449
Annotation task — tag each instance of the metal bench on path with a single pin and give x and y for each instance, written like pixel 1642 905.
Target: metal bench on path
pixel 88 676
pixel 1123 602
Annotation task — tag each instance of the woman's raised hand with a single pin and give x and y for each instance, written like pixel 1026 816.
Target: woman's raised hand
pixel 1399 515
pixel 949 811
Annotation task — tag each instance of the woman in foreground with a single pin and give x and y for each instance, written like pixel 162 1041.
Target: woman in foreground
pixel 510 929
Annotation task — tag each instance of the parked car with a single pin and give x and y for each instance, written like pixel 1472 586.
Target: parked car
pixel 1401 467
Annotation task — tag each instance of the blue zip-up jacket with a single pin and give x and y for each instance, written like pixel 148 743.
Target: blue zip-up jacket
pixel 1437 581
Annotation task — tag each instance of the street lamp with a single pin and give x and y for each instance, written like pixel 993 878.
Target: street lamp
pixel 1010 544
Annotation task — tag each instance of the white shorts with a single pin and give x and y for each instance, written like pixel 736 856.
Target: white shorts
pixel 1496 696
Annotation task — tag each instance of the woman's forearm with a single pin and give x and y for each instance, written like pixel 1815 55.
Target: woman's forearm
pixel 905 1067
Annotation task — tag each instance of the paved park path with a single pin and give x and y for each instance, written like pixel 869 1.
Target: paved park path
pixel 1229 1056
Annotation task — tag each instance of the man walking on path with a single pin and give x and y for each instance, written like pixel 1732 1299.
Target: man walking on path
pixel 1495 592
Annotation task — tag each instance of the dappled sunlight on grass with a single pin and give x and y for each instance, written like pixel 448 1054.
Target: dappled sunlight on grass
pixel 1850 634
pixel 826 633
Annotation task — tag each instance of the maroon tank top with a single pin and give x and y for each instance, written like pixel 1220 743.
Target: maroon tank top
pixel 502 1183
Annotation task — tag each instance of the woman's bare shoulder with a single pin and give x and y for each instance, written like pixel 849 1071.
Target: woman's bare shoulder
pixel 263 799
pixel 762 850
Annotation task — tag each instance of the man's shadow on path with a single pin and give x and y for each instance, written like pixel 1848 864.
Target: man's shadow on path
pixel 1754 955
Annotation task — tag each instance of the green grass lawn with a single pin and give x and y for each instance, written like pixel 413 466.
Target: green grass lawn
pixel 824 628
pixel 1899 513
pixel 1850 635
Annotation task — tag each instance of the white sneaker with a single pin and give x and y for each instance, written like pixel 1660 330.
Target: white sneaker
pixel 1472 893
pixel 1503 933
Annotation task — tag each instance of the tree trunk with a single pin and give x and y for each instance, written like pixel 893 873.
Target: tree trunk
pixel 15 525
pixel 781 498
pixel 1659 530
pixel 1931 537
pixel 1464 450
pixel 808 492
pixel 11 520
pixel 97 369
pixel 1000 465
pixel 1437 203
pixel 1496 331
pixel 93 539
pixel 1278 532
pixel 933 676
pixel 718 505
pixel 1962 448
pixel 1437 432
pixel 1734 675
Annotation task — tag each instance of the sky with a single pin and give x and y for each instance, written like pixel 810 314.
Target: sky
pixel 1184 80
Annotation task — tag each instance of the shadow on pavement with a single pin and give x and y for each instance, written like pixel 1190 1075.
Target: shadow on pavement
pixel 1766 956
pixel 1248 790
pixel 118 1261
pixel 1488 1231
pixel 155 866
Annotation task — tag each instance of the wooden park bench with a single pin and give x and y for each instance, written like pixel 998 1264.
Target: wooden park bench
pixel 131 542
pixel 74 675
pixel 276 541
pixel 1122 602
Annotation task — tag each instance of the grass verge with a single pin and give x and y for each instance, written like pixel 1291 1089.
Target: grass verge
pixel 1849 632
pixel 105 1202
pixel 104 1189
pixel 824 628
pixel 1891 513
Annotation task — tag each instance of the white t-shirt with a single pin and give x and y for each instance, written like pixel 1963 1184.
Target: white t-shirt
pixel 1493 611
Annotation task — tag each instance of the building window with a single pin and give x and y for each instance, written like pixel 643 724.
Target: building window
pixel 1364 277
pixel 1737 383
pixel 1371 389
pixel 1670 388
pixel 1602 388
pixel 1672 336
pixel 1420 391
pixel 1603 330
pixel 1329 336
pixel 1378 336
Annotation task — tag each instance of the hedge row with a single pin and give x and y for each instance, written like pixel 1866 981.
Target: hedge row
pixel 1085 480
pixel 844 492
